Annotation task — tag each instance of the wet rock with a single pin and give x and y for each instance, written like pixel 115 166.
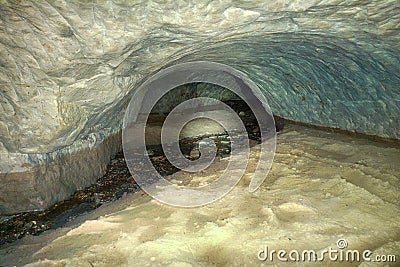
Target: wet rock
pixel 279 124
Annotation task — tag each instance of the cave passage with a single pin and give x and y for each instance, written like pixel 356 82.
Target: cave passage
pixel 328 70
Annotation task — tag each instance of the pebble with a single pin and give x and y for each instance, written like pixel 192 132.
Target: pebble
pixel 194 153
pixel 242 113
pixel 362 162
pixel 29 225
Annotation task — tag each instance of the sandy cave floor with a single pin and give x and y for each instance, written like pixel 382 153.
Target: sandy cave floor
pixel 322 187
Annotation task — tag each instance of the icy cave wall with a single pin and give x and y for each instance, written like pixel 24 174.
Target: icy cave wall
pixel 68 68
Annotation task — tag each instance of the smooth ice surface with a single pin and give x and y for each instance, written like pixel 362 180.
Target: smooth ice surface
pixel 322 187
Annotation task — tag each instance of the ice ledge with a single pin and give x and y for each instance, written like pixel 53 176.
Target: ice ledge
pixel 36 181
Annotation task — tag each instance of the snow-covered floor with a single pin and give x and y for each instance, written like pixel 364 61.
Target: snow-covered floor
pixel 323 187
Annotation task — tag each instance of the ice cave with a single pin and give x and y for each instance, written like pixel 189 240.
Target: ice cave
pixel 326 74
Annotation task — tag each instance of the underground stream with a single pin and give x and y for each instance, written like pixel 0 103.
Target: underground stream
pixel 117 182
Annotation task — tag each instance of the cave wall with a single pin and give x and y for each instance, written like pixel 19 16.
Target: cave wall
pixel 68 69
